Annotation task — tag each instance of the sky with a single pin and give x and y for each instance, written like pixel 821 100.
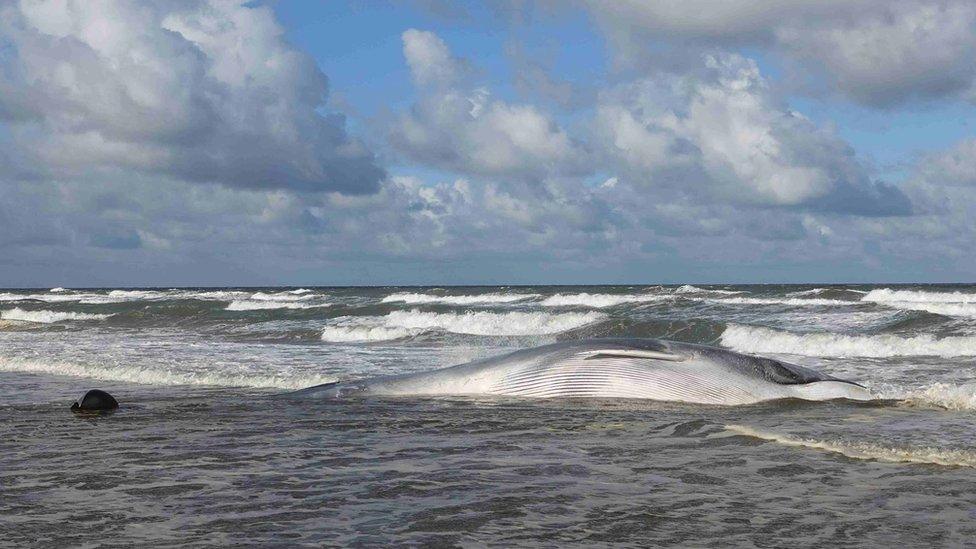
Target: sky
pixel 207 142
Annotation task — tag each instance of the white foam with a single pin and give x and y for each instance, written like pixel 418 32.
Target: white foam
pixel 793 302
pixel 300 291
pixel 250 305
pixel 47 297
pixel 885 295
pixel 354 334
pixel 863 450
pixel 281 296
pixel 967 310
pixel 400 324
pixel 752 339
pixel 689 289
pixel 47 317
pixel 599 301
pixel 137 294
pixel 218 295
pixel 942 395
pixel 161 376
pixel 818 291
pixel 59 289
pixel 417 299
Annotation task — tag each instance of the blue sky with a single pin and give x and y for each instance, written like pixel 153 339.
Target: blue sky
pixel 429 142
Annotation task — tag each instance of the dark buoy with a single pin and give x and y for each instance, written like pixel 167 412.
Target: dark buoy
pixel 95 400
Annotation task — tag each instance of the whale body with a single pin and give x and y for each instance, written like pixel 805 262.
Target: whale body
pixel 613 368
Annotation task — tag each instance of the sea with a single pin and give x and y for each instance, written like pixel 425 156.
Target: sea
pixel 204 451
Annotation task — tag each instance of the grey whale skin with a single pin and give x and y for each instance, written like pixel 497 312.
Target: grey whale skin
pixel 613 368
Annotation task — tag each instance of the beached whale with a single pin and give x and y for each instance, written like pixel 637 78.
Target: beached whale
pixel 613 368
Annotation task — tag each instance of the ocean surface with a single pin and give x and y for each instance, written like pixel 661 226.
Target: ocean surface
pixel 203 451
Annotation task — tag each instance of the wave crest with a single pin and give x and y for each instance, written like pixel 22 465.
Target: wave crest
pixel 400 324
pixel 258 305
pixel 941 395
pixel 753 339
pixel 418 299
pixel 359 334
pixel 599 301
pixel 791 301
pixel 883 295
pixel 151 376
pixel 863 450
pixel 47 317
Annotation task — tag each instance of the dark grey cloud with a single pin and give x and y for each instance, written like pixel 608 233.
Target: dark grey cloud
pixel 202 91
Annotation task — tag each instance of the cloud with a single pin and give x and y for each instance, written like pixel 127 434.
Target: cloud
pixel 878 53
pixel 671 173
pixel 954 167
pixel 430 60
pixel 196 91
pixel 469 131
pixel 721 134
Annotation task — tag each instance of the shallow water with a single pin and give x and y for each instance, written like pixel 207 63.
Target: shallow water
pixel 204 451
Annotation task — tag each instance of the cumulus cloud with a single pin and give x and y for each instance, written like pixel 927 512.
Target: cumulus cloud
pixel 200 91
pixel 721 134
pixel 430 60
pixel 876 52
pixel 113 113
pixel 467 130
pixel 956 166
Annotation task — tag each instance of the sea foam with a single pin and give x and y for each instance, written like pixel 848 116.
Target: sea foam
pixel 417 299
pixel 400 324
pixel 257 305
pixel 790 301
pixel 884 295
pixel 599 301
pixel 47 317
pixel 867 451
pixel 281 296
pixel 753 339
pixel 941 395
pixel 356 334
pixel 161 376
pixel 689 289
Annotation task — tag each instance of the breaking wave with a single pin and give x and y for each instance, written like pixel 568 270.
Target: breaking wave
pixel 138 294
pixel 689 289
pixel 599 301
pixel 258 305
pixel 47 317
pixel 418 299
pixel 793 302
pixel 942 395
pixel 57 297
pixel 884 295
pixel 152 376
pixel 400 324
pixel 281 296
pixel 753 339
pixel 868 451
pixel 940 308
pixel 356 334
